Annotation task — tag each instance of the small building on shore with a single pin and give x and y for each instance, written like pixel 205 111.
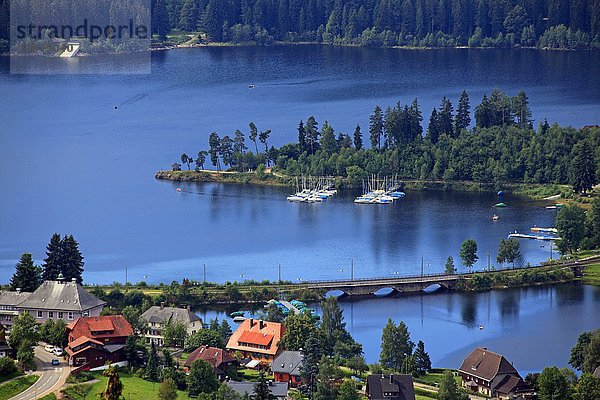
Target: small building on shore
pixel 257 339
pixel 490 374
pixel 390 387
pixel 220 360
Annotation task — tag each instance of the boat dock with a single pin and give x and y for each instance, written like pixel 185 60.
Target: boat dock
pixel 292 309
pixel 380 191
pixel 313 190
pixel 529 236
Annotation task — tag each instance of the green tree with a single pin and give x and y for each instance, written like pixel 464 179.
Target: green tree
pixel 133 348
pixel 72 259
pixel 201 159
pixel 167 390
pixel 328 373
pixel 356 175
pixel 175 334
pixel 253 135
pixel 396 345
pixel 462 119
pixel 7 366
pixel 450 268
pixel 261 389
pixel 508 251
pixel 468 253
pixel 580 350
pixel 53 261
pixel 570 223
pixel 114 386
pixel 24 330
pixel 376 128
pixel 54 332
pixel 421 358
pixel 588 388
pixel 25 353
pixel 214 144
pixel 263 137
pixel 151 372
pixel 204 337
pixel 357 364
pixel 591 360
pixel 520 104
pixel 226 393
pixel 310 365
pixel 348 391
pixel 553 385
pixel 185 159
pixel 449 390
pixel 328 143
pixel 358 142
pixel 333 336
pixel 202 379
pixel 298 328
pixel 583 167
pixel 28 276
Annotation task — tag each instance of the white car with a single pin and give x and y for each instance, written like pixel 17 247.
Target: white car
pixel 49 348
pixel 58 351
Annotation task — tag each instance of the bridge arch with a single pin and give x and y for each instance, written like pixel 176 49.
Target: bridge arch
pixel 385 291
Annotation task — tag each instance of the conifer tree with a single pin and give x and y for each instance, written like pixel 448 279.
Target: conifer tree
pixel 433 132
pixel 376 128
pixel 421 358
pixel 462 119
pixel 445 117
pixel 358 142
pixel 301 138
pixel 28 276
pixel 53 261
pixel 261 389
pixel 152 365
pixel 583 167
pixel 396 345
pixel 72 264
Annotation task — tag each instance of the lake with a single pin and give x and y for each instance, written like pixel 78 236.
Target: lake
pixel 71 163
pixel 533 327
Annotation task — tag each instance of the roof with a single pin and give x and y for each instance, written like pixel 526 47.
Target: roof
pixel 82 340
pixel 510 384
pixel 597 372
pixel 278 389
pixel 257 332
pixel 67 296
pixel 288 362
pixel 165 315
pixel 12 299
pixel 377 385
pixel 486 364
pixel 214 356
pixel 106 326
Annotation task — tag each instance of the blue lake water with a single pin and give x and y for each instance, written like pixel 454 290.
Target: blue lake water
pixel 71 163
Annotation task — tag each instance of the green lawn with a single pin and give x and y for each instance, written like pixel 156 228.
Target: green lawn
pixel 134 388
pixel 248 374
pixel 17 386
pixel 433 378
pixel 591 275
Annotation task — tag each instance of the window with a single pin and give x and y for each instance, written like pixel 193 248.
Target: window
pixel 40 314
pixel 61 314
pixel 50 314
pixel 70 315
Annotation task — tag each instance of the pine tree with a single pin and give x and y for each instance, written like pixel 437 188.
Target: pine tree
pixel 358 143
pixel 53 261
pixel 328 142
pixel 449 390
pixel 202 379
pixel 583 167
pixel 188 18
pixel 521 110
pixel 114 386
pixel 151 371
pixel 28 276
pixel 376 128
pixel 72 259
pixel 445 117
pixel 348 391
pixel 310 364
pixel 462 119
pixel 312 134
pixel 396 345
pixel 433 131
pixel 421 358
pixel 450 269
pixel 301 138
pixel 160 18
pixel 167 390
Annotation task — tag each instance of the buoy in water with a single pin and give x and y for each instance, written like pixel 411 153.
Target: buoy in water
pixel 178 189
pixel 116 107
pixel 480 327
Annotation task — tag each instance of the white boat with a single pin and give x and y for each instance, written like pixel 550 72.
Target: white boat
pixel 239 319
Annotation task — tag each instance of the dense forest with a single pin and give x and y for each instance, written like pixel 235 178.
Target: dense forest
pixel 502 147
pixel 425 23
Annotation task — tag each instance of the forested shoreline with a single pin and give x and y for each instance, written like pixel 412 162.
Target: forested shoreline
pixel 503 147
pixel 554 24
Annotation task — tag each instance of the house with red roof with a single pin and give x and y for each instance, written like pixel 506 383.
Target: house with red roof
pixel 257 339
pixel 220 360
pixel 95 341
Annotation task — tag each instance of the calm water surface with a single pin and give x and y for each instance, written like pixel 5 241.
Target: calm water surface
pixel 532 327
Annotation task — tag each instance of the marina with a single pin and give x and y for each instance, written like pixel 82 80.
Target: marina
pixel 530 236
pixel 380 191
pixel 313 190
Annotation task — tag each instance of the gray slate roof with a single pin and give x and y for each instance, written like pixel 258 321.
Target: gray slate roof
pixel 12 299
pixel 68 296
pixel 278 389
pixel 288 362
pixel 400 385
pixel 169 314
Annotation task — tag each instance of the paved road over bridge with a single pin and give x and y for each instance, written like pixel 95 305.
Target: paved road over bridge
pixel 416 283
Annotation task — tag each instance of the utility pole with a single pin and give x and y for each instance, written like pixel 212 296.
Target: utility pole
pixel 204 265
pixel 489 259
pixel 352 270
pixel 422 266
pixel 280 274
pixel 551 243
pixel 125 279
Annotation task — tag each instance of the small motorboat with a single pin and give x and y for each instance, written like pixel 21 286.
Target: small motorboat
pixel 236 314
pixel 480 327
pixel 495 217
pixel 178 189
pixel 251 86
pixel 239 319
pixel 500 205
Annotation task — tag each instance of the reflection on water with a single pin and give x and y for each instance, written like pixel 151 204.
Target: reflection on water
pixel 533 327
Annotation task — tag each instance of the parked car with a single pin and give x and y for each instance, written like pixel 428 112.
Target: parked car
pixel 49 348
pixel 55 361
pixel 58 351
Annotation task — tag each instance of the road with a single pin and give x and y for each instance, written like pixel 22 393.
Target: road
pixel 51 377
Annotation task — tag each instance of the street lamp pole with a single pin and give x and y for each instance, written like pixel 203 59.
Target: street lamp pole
pixel 204 266
pixel 280 274
pixel 422 266
pixel 352 270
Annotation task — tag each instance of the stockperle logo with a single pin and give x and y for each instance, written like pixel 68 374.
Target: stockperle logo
pixel 74 36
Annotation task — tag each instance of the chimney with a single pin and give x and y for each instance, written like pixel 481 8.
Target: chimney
pixel 261 324
pixel 391 378
pixel 251 323
pixel 162 305
pixel 18 290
